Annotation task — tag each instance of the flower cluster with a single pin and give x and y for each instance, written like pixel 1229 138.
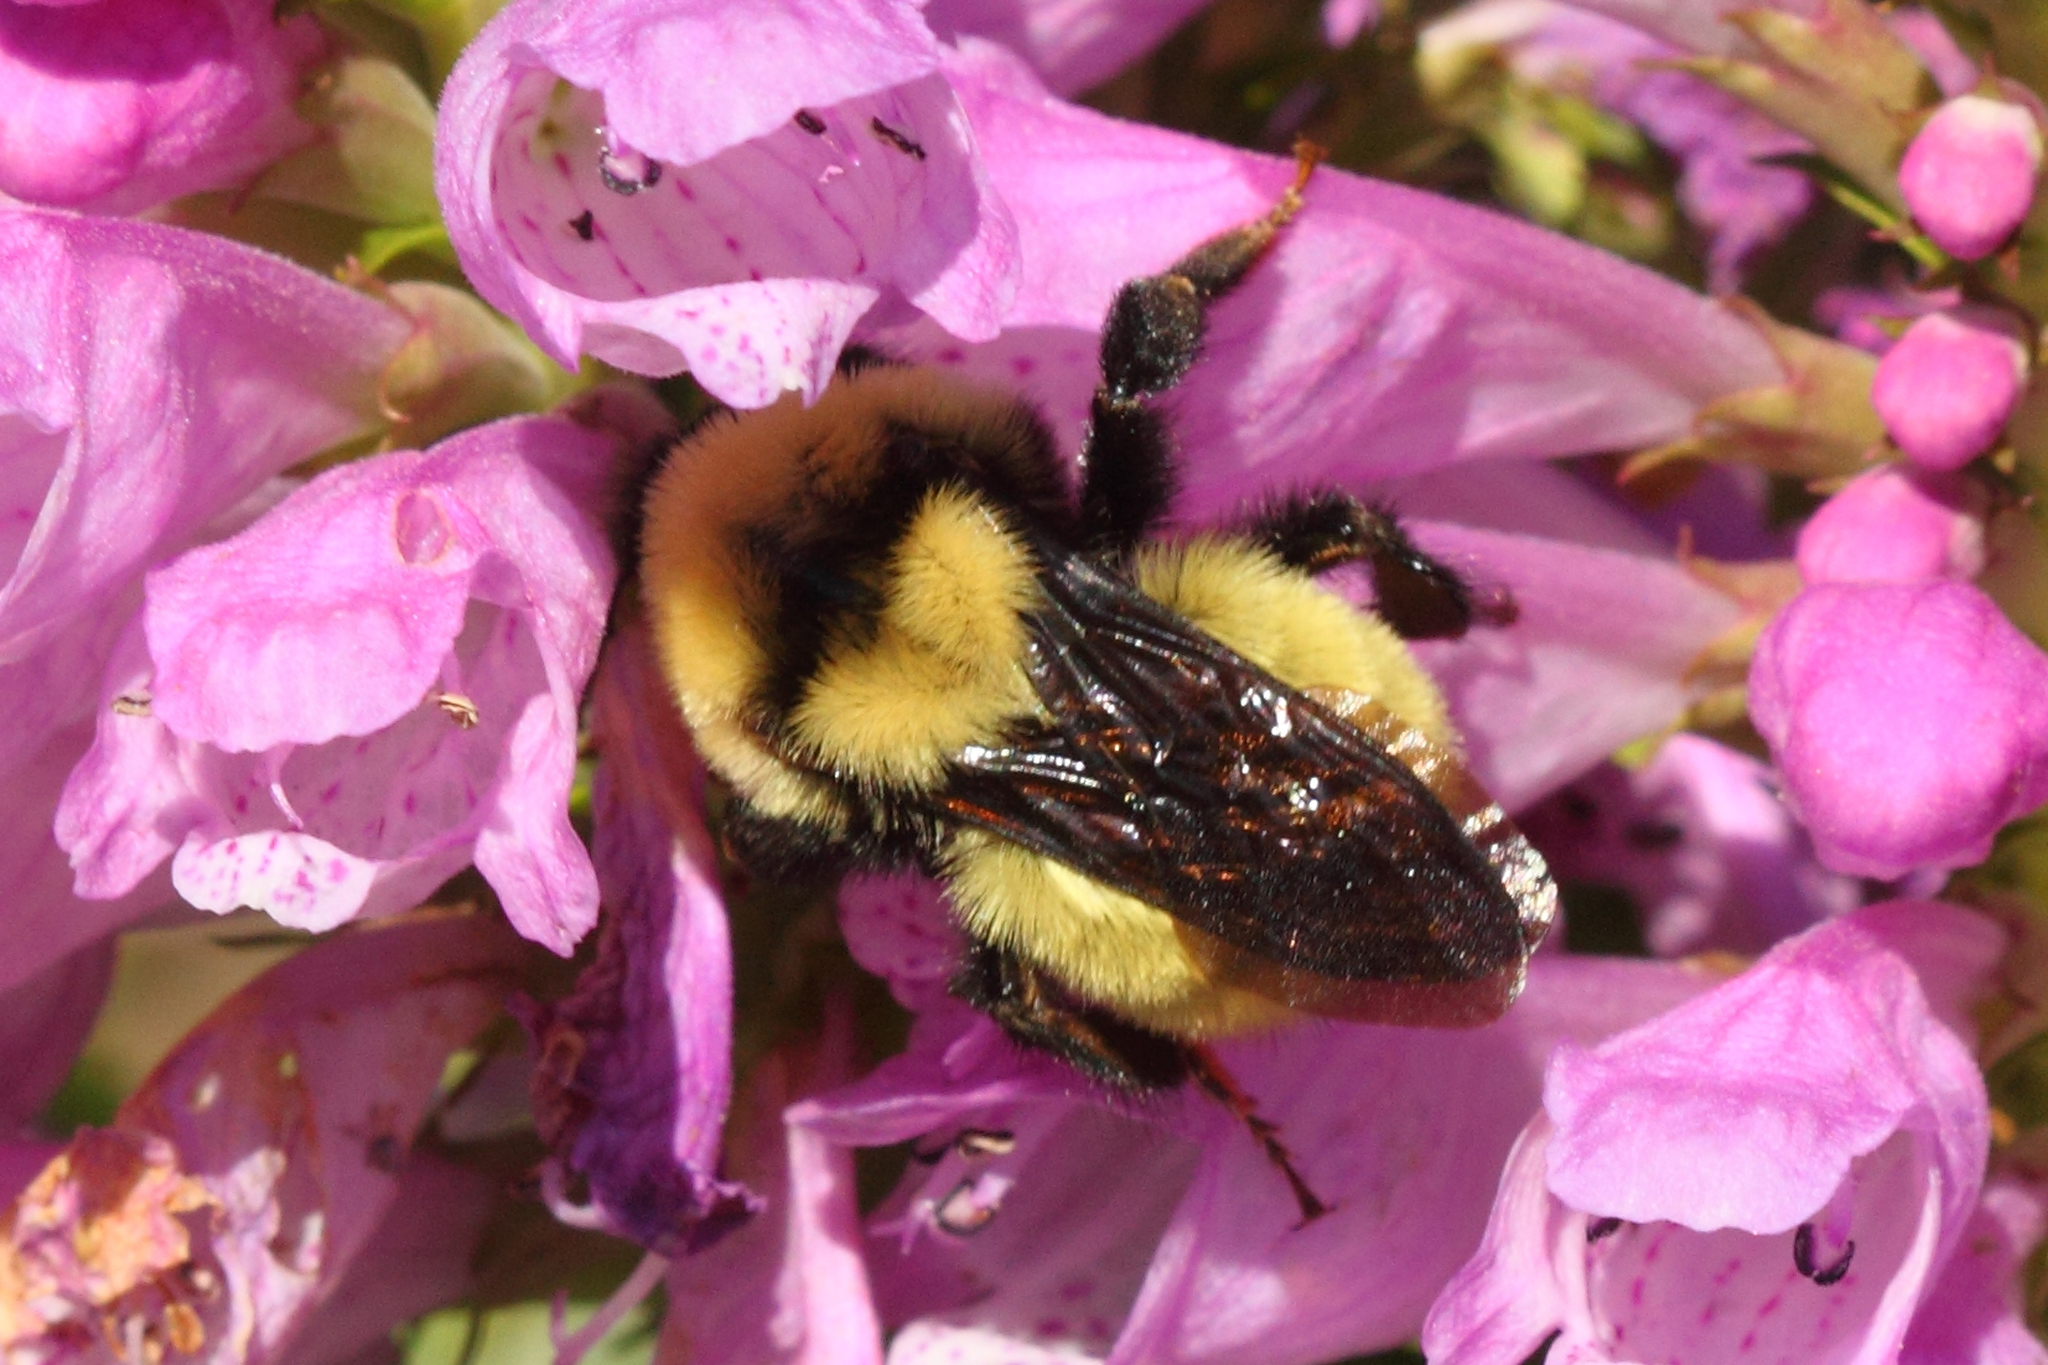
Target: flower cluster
pixel 340 342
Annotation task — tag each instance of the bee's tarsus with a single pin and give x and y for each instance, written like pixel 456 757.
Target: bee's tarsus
pixel 1208 1071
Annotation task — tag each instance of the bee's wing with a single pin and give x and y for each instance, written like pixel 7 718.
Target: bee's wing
pixel 1323 870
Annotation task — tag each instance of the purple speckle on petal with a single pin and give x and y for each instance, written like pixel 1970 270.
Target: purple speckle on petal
pixel 421 530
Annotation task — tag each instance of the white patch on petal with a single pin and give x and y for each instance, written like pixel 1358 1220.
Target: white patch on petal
pixel 299 880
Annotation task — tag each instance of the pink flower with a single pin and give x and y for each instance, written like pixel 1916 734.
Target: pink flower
pixel 254 1167
pixel 153 381
pixel 636 1062
pixel 1945 390
pixel 1909 722
pixel 1700 841
pixel 335 710
pixel 1968 176
pixel 737 227
pixel 1782 1166
pixel 117 105
pixel 1896 525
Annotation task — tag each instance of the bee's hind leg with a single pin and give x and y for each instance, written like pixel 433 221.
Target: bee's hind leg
pixel 1207 1071
pixel 1119 1055
pixel 1035 1012
pixel 1152 335
pixel 1421 597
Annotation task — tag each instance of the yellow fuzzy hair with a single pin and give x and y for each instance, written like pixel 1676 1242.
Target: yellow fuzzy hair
pixel 945 668
pixel 1114 950
pixel 708 606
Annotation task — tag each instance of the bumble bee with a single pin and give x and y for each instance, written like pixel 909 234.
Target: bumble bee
pixel 1176 789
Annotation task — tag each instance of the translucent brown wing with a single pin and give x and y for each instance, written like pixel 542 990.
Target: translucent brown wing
pixel 1326 872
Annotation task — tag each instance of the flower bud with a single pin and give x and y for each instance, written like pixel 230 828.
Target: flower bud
pixel 1945 390
pixel 1968 176
pixel 1895 525
pixel 1908 722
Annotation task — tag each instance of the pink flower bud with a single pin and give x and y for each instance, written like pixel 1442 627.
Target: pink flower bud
pixel 1968 176
pixel 1909 722
pixel 1945 390
pixel 1896 525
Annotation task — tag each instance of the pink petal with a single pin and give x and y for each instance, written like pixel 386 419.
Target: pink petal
pixel 1417 331
pixel 155 377
pixel 1825 1048
pixel 117 105
pixel 1974 1311
pixel 1600 654
pixel 49 921
pixel 636 1062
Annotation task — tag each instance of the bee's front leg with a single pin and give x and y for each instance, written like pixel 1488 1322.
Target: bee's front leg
pixel 1150 338
pixel 1421 597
